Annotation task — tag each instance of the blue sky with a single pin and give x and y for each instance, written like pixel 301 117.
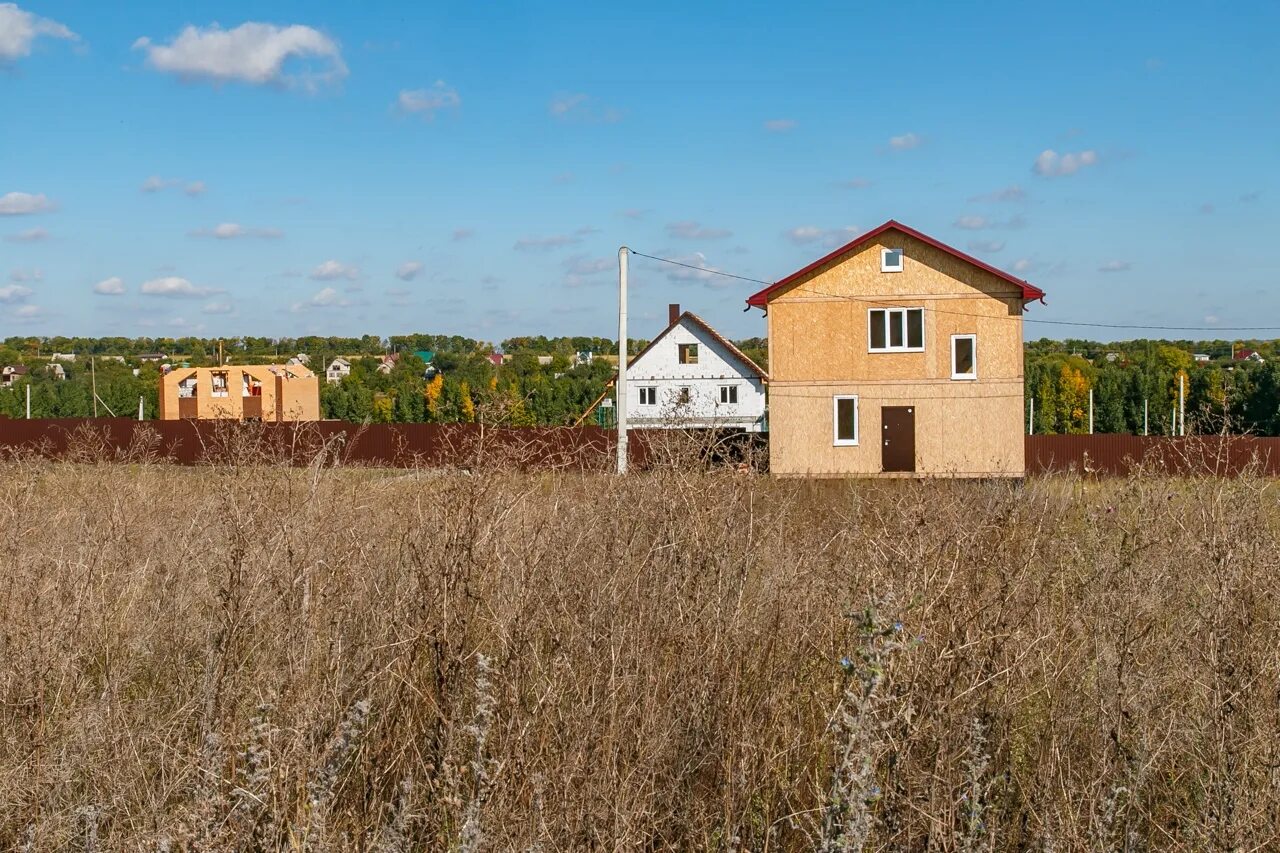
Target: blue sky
pixel 280 168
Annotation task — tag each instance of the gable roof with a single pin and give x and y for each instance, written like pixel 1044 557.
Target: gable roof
pixel 760 299
pixel 702 324
pixel 751 366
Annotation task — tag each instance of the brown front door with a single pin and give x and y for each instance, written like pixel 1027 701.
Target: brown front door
pixel 898 438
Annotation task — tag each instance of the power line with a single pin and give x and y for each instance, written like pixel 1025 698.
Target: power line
pixel 701 269
pixel 1082 324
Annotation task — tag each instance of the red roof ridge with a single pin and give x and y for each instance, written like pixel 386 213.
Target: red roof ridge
pixel 761 298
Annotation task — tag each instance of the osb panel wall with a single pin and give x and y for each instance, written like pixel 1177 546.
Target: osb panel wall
pixel 818 327
pixel 294 399
pixel 958 433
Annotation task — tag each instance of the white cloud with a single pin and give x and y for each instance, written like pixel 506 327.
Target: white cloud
pixel 563 178
pixel 1023 265
pixel 28 312
pixel 11 293
pixel 31 235
pixel 854 184
pixel 696 269
pixel 460 234
pixel 19 204
pixel 555 241
pixel 972 222
pixel 987 246
pixel 1013 192
pixel 234 230
pixel 1207 207
pixel 20 275
pixel 325 298
pixel 804 234
pixel 409 270
pixel 253 53
pixel 1051 164
pixel 582 108
pixel 584 269
pixel 194 188
pixel 334 270
pixel 562 105
pixel 19 28
pixel 113 286
pixel 779 125
pixel 905 142
pixel 1116 266
pixel 174 287
pixel 829 237
pixel 224 307
pixel 425 102
pixel 689 230
pixel 155 183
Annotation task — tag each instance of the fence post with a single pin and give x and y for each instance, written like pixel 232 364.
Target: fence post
pixel 1031 417
pixel 1090 411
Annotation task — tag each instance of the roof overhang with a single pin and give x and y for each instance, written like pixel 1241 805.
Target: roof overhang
pixel 760 299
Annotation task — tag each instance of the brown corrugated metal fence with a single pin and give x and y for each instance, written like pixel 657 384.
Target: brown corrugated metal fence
pixel 382 445
pixel 1123 454
pixel 587 448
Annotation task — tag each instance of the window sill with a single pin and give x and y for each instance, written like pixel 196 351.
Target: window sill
pixel 844 443
pixel 969 378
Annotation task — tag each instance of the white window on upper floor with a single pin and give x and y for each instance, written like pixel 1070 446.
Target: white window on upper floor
pixel 648 395
pixel 895 330
pixel 891 260
pixel 844 420
pixel 964 356
pixel 729 395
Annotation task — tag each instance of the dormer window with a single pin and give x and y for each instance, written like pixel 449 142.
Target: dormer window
pixel 890 260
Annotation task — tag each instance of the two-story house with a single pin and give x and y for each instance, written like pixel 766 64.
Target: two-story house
pixel 896 355
pixel 690 377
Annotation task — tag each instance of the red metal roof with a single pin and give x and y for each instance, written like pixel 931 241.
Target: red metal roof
pixel 1029 291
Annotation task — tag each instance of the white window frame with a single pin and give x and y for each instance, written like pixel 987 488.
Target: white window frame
pixel 836 440
pixel 728 391
pixel 889 311
pixel 884 259
pixel 973 339
pixel 650 391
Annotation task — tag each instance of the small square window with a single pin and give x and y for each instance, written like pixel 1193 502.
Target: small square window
pixel 688 353
pixel 729 395
pixel 648 395
pixel 845 420
pixel 964 357
pixel 890 260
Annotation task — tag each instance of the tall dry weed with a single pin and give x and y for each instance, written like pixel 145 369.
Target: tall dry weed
pixel 255 656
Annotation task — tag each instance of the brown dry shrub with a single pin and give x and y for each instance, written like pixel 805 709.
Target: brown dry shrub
pixel 257 656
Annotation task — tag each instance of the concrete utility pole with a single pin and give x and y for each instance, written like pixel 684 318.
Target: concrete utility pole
pixel 28 400
pixel 1090 411
pixel 1031 418
pixel 139 407
pixel 1182 404
pixel 1145 403
pixel 621 384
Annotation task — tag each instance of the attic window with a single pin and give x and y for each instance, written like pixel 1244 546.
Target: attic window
pixel 890 260
pixel 688 353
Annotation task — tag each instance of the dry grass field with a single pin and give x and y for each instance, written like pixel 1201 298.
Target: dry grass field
pixel 256 657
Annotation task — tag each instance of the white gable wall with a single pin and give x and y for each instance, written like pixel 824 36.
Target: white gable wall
pixel 660 368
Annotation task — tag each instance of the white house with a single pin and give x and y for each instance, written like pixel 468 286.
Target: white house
pixel 690 377
pixel 338 369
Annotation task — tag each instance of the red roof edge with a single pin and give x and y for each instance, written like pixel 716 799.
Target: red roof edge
pixel 761 299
